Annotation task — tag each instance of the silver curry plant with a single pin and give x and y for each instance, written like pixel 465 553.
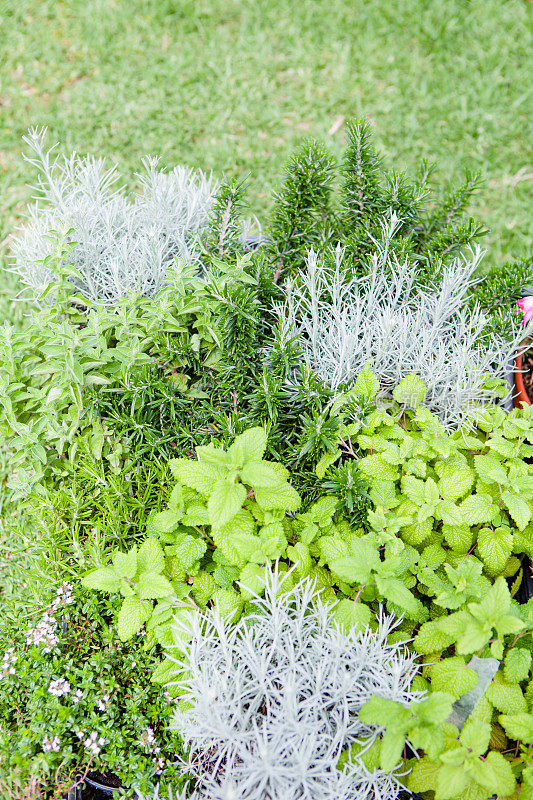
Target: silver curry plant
pixel 121 243
pixel 385 317
pixel 271 702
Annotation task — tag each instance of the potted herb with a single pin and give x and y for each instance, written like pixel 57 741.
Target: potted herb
pixel 76 703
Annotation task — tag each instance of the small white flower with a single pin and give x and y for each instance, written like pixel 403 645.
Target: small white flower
pixel 44 633
pixel 77 696
pixel 93 743
pixel 148 741
pixel 59 687
pixel 160 764
pixel 7 667
pixel 103 702
pixel 53 745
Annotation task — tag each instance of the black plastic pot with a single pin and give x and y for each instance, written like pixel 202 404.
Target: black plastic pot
pixel 94 790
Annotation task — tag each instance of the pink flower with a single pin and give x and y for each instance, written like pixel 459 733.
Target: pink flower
pixel 526 304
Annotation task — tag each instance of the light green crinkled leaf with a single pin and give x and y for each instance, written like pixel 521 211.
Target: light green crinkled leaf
pixel 242 523
pixel 196 514
pixel 432 556
pixel 366 385
pixel 451 782
pixel 279 469
pixel 517 665
pixel 252 581
pixel 166 671
pixel 383 493
pixel 104 579
pixel 502 446
pixel 506 697
pixel 176 500
pixel 417 533
pixel 323 510
pixel 495 547
pixel 203 587
pixel 411 391
pixel 125 564
pixel 415 466
pixel 151 556
pixel 152 585
pixel 490 469
pixel 225 500
pixel 299 555
pixel 413 488
pixel 225 574
pixel 453 676
pixel 396 591
pixel 197 476
pixel 325 462
pixel 356 568
pixel 456 479
pixel 430 639
pixel 260 474
pixel 494 773
pixel 459 538
pixel 131 618
pixel 476 736
pixel 518 509
pixel 189 551
pixel 249 446
pixel 352 616
pixel 332 548
pixel 283 497
pixel 392 745
pixel 423 775
pixel 216 456
pixel 166 521
pixel 518 726
pixel 273 539
pixel 431 492
pixel 478 508
pixel 374 466
pixel 449 513
pixel 249 547
pixel 229 602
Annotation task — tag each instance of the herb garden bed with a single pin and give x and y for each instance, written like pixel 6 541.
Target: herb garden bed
pixel 266 484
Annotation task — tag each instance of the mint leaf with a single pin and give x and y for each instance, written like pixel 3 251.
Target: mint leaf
pixel 225 501
pixel 259 474
pixel 152 586
pixel 411 391
pixel 366 385
pixel 104 579
pixel 151 556
pixel 125 563
pixel 249 446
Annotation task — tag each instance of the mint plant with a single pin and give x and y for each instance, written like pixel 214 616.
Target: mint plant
pixel 230 513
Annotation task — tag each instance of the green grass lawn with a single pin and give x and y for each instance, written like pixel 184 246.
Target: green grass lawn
pixel 233 85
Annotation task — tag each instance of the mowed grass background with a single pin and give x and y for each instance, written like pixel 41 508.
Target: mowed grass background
pixel 234 85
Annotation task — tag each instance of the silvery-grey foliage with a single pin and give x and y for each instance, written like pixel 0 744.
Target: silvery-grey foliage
pixel 124 242
pixel 386 318
pixel 274 699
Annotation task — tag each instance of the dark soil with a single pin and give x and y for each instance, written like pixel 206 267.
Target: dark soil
pixel 527 375
pixel 107 780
